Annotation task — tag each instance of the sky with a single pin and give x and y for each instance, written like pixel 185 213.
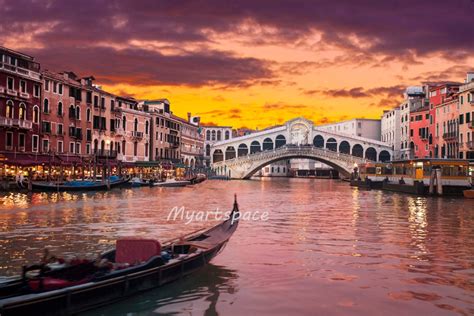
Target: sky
pixel 250 63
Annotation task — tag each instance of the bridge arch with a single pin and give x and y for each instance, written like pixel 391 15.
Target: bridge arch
pixel 358 150
pixel 384 156
pixel 344 147
pixel 341 169
pixel 371 154
pixel 267 144
pixel 217 156
pixel 243 150
pixel 255 147
pixel 318 141
pixel 230 153
pixel 331 144
pixel 280 141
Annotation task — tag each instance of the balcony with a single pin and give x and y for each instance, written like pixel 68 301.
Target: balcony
pixel 13 93
pixel 450 136
pixel 471 124
pixel 21 71
pixel 9 122
pixel 135 134
pixel 104 153
pixel 470 145
pixel 24 95
pixel 174 145
pixel 23 124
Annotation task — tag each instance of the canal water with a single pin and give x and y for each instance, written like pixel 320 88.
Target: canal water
pixel 326 248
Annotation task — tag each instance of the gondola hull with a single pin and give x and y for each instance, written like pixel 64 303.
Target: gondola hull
pixel 121 284
pixel 52 187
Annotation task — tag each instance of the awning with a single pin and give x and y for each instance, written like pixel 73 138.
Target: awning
pixel 147 164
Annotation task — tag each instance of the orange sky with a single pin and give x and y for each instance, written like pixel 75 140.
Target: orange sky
pixel 251 63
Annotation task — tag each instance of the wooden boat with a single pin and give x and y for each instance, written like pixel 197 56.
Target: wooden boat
pixel 138 182
pixel 198 179
pixel 172 183
pixel 468 193
pixel 79 185
pixel 135 265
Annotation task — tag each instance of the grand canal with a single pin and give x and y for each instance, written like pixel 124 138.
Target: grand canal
pixel 326 248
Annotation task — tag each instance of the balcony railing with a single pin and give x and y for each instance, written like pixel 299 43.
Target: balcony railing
pixel 470 145
pixel 105 153
pixel 24 95
pixel 19 70
pixel 450 136
pixel 175 145
pixel 136 134
pixel 12 92
pixel 9 122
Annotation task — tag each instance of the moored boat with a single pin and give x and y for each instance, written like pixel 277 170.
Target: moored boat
pixel 135 265
pixel 468 193
pixel 172 183
pixel 79 185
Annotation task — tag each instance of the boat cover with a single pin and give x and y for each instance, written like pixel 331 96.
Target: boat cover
pixel 136 250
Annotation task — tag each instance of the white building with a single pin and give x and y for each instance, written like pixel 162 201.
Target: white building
pixel 390 130
pixel 213 134
pixel 367 128
pixel 277 169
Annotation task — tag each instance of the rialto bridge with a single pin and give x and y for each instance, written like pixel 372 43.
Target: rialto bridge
pixel 241 157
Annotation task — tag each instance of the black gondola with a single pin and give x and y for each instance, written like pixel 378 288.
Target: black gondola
pixel 78 185
pixel 86 285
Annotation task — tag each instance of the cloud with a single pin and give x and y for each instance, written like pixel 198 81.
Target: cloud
pixel 359 92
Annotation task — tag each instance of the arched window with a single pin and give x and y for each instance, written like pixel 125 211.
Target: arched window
pixel 46 106
pixel 88 115
pixel 280 140
pixel 213 135
pixel 208 135
pixel 124 123
pixel 36 114
pixel 22 112
pixel 217 156
pixel 135 125
pixel 146 127
pixel 227 134
pixel 60 108
pixel 219 135
pixel 208 150
pixel 267 144
pixel 78 113
pixel 9 109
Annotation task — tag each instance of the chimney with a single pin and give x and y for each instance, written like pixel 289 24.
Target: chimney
pixel 189 117
pixel 470 76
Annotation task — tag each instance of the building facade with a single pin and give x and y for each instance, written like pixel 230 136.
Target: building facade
pixel 20 101
pixel 466 118
pixel 391 129
pixel 212 135
pixel 419 132
pixel 368 128
pixel 192 142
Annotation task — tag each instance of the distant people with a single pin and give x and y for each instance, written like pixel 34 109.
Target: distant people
pixel 402 181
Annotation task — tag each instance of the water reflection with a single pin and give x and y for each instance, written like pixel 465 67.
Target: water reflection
pixel 197 294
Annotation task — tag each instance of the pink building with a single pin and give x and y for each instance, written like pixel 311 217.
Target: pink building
pixel 438 94
pixel 466 118
pixel 419 132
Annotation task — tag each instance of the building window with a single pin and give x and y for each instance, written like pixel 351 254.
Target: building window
pixel 45 146
pixel 124 123
pixel 88 148
pixel 46 106
pixel 46 85
pixel 60 146
pixel 9 109
pixel 10 83
pixel 146 127
pixel 59 129
pixel 36 114
pixel 135 148
pixel 9 141
pixel 22 86
pixel 55 87
pixel 227 134
pixel 36 90
pixel 22 112
pixel 78 113
pixel 60 109
pixel 78 148
pixel 102 102
pixel 60 90
pixel 88 115
pixel 34 143
pixel 96 101
pixel 71 147
pixel 21 142
pixel 146 149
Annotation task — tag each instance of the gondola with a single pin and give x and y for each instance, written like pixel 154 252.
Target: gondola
pixel 135 265
pixel 79 185
pixel 171 183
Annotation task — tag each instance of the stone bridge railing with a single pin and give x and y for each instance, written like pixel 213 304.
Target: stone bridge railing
pixel 248 163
